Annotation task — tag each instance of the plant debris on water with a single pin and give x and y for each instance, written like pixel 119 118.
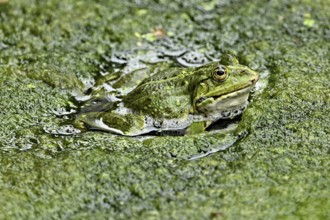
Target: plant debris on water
pixel 53 51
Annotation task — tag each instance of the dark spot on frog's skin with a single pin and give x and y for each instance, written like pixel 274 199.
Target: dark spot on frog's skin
pixel 157 124
pixel 225 114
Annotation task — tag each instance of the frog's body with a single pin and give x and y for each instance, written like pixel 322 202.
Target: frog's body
pixel 175 99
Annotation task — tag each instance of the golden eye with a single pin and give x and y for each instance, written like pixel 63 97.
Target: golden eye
pixel 220 74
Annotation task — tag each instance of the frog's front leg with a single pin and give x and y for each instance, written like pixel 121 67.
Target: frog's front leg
pixel 128 125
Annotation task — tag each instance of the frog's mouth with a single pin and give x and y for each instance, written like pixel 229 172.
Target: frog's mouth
pixel 224 102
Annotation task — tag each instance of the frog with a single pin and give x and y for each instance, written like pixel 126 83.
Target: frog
pixel 165 98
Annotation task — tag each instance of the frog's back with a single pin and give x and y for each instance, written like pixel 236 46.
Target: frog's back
pixel 163 95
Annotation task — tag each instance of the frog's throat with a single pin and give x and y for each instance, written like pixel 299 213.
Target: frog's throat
pixel 228 101
pixel 233 94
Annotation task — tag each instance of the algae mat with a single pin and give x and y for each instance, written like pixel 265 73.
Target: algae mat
pixel 280 170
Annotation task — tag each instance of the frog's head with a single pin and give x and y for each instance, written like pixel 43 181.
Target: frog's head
pixel 222 86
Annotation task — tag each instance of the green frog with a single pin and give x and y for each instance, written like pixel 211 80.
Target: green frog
pixel 169 99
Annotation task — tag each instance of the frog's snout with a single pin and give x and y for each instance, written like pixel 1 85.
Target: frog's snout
pixel 255 78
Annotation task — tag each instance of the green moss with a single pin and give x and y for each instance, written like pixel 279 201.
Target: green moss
pixel 277 171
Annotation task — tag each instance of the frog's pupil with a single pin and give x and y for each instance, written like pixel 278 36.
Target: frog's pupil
pixel 220 72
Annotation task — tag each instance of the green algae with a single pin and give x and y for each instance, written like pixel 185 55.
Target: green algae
pixel 278 170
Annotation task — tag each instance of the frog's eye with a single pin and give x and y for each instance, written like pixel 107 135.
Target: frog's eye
pixel 220 74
